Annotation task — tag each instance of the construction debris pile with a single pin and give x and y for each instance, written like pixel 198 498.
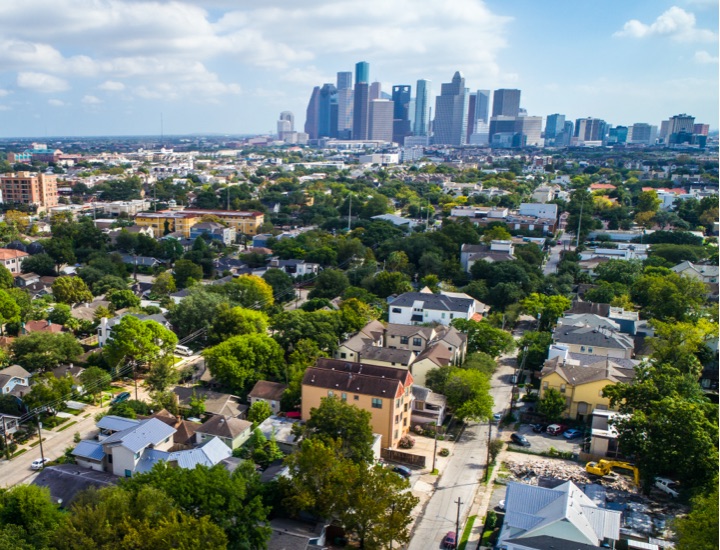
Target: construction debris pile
pixel 530 472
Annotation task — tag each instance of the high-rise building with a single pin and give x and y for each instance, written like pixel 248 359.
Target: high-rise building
pixel 564 138
pixel 380 126
pixel 681 123
pixel 451 108
pixel 376 91
pixel 642 133
pixel 506 103
pixel 285 124
pixel 361 108
pixel 471 120
pixel 401 112
pixel 422 108
pixel 30 188
pixel 312 114
pixel 618 135
pixel 553 126
pixel 345 113
pixel 701 129
pixel 530 127
pixel 590 129
pixel 328 111
pixel 482 106
pixel 362 72
pixel 664 129
pixel 515 131
pixel 344 80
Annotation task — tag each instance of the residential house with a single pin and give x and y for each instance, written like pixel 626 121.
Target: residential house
pixel 604 437
pixel 9 424
pixel 23 280
pixel 140 261
pixel 595 341
pixel 231 431
pixel 105 327
pixel 216 403
pixel 496 251
pixel 14 380
pixel 415 308
pixel 538 518
pixel 110 424
pixel 581 379
pixel 708 274
pixel 281 429
pixel 12 259
pixel 270 392
pixel 624 251
pixel 214 231
pixel 73 372
pixel 428 407
pixel 398 221
pixel 41 325
pixel 295 268
pixel 124 449
pixel 436 355
pixel 86 311
pixel 66 481
pixel 385 392
pixel 184 436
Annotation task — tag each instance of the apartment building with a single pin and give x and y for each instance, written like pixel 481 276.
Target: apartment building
pixel 12 259
pixel 385 392
pixel 30 188
pixel 182 221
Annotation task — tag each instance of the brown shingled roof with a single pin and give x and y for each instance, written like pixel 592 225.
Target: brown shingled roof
pixel 271 391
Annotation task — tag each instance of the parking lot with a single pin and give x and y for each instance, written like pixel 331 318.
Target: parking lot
pixel 542 441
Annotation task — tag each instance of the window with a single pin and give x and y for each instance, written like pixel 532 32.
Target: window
pixel 545 385
pixel 376 403
pixel 396 310
pixel 562 388
pixel 404 421
pixel 356 397
pixel 396 434
pixel 397 419
pixel 343 396
pixel 582 349
pixel 452 316
pixel 405 407
pixel 128 473
pixel 590 350
pixel 397 402
pixel 442 315
pixel 330 393
pixel 417 341
pixel 404 339
pixel 343 355
pixel 137 456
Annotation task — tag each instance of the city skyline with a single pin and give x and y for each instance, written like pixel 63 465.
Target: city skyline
pixel 75 67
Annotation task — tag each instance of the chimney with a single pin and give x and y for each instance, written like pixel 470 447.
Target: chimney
pixel 384 338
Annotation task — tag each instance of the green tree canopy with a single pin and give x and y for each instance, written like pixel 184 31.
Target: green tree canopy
pixel 71 290
pixel 186 271
pixel 196 311
pixel 281 283
pixel 235 321
pixel 250 291
pixel 552 404
pixel 699 529
pixel 331 283
pixel 468 393
pixel 138 342
pixel 164 284
pixel 29 509
pixel 482 336
pixel 45 350
pixel 546 308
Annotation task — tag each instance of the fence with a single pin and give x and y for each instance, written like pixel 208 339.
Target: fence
pixel 405 458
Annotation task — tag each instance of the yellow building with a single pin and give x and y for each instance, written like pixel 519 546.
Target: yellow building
pixel 385 392
pixel 169 221
pixel 582 385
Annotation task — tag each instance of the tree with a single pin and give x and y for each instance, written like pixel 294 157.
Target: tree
pixel 397 261
pixel 9 310
pixel 61 250
pixel 534 349
pixel 679 344
pixel 552 404
pixel 322 327
pixel 48 391
pixel 60 314
pixel 259 411
pixel 468 393
pixel 668 297
pixel 138 343
pixel 250 291
pixel 648 201
pixel 143 520
pixel 482 336
pixel 164 284
pixel 20 221
pixel 45 350
pixel 386 283
pixel 122 299
pixel 698 530
pixel 217 494
pixel 6 278
pixel 196 311
pixel 331 283
pixel 481 362
pixel 186 271
pixel 546 308
pixel 349 425
pixel 625 272
pixel 496 233
pixel 281 283
pixel 236 321
pixel 94 380
pixel 71 290
pixel 30 509
pixel 162 374
pixel 240 361
pixel 42 264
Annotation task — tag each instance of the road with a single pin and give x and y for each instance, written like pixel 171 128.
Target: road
pixel 463 475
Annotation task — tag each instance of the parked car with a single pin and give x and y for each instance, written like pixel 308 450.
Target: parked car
pixel 403 471
pixel 183 350
pixel 556 429
pixel 39 464
pixel 449 540
pixel 497 417
pixel 572 433
pixel 519 439
pixel 119 398
pixel 667 486
pixel 539 428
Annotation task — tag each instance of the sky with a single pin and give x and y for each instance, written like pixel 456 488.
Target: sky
pixel 139 67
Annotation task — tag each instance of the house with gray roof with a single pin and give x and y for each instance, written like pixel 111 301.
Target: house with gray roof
pixel 416 308
pixel 538 518
pixel 66 481
pixel 125 448
pixel 595 341
pixel 14 380
pixel 231 431
pixel 106 325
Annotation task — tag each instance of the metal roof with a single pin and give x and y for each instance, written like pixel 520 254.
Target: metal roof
pixel 89 449
pixel 116 423
pixel 136 438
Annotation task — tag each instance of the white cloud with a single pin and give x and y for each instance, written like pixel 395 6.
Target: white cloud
pixel 112 86
pixel 56 102
pixel 91 100
pixel 3 93
pixel 702 57
pixel 41 82
pixel 676 23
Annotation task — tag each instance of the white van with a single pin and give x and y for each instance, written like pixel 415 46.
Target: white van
pixel 668 486
pixel 183 350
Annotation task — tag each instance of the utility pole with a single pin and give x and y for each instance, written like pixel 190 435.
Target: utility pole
pixel 42 455
pixel 349 213
pixel 577 241
pixel 457 521
pixel 7 449
pixel 487 468
pixel 135 378
pixel 435 449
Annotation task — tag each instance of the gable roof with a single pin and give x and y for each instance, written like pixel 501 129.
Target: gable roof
pixel 215 402
pixel 228 427
pixel 145 433
pixel 264 389
pixel 436 302
pixel 89 449
pixel 386 355
pixel 590 336
pixel 65 481
pixel 116 423
pixel 576 375
pixel 374 380
pixel 208 454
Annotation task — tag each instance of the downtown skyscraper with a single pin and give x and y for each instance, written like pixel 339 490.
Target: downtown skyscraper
pixel 506 103
pixel 361 101
pixel 345 104
pixel 401 114
pixel 451 111
pixel 422 108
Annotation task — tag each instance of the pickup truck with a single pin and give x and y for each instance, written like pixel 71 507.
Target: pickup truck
pixel 668 486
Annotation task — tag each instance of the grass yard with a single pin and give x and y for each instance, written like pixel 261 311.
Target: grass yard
pixel 66 426
pixel 466 532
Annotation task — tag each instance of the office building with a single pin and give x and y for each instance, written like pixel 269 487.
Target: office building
pixel 482 105
pixel 590 130
pixel 361 108
pixel 664 130
pixel 530 127
pixel 380 125
pixel 642 133
pixel 362 72
pixel 506 103
pixel 328 111
pixel 312 114
pixel 681 123
pixel 481 136
pixel 451 108
pixel 375 91
pixel 344 105
pixel 701 129
pixel 618 135
pixel 515 131
pixel 401 112
pixel 554 125
pixel 472 121
pixel 564 138
pixel 34 189
pixel 422 108
pixel 285 124
pixel 344 80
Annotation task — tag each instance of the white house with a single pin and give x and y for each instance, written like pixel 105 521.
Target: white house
pixel 105 327
pixel 539 210
pixel 415 308
pixel 14 380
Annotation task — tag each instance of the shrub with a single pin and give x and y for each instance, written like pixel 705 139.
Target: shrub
pixel 406 442
pixel 444 452
pixel 491 520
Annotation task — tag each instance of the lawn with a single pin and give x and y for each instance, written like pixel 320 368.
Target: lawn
pixel 466 532
pixel 66 426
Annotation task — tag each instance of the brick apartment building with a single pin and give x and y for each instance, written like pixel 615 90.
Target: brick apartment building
pixel 30 188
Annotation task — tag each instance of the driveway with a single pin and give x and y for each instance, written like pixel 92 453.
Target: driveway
pixel 542 441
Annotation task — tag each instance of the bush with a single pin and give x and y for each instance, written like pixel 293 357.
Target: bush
pixel 406 442
pixel 491 520
pixel 444 452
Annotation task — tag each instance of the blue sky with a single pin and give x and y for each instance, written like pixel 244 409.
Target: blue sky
pixel 114 67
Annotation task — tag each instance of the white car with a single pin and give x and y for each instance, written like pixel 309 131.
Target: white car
pixel 668 486
pixel 39 464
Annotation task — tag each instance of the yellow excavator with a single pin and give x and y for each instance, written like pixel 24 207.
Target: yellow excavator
pixel 605 467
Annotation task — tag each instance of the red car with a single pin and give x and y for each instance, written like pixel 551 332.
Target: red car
pixel 449 540
pixel 556 429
